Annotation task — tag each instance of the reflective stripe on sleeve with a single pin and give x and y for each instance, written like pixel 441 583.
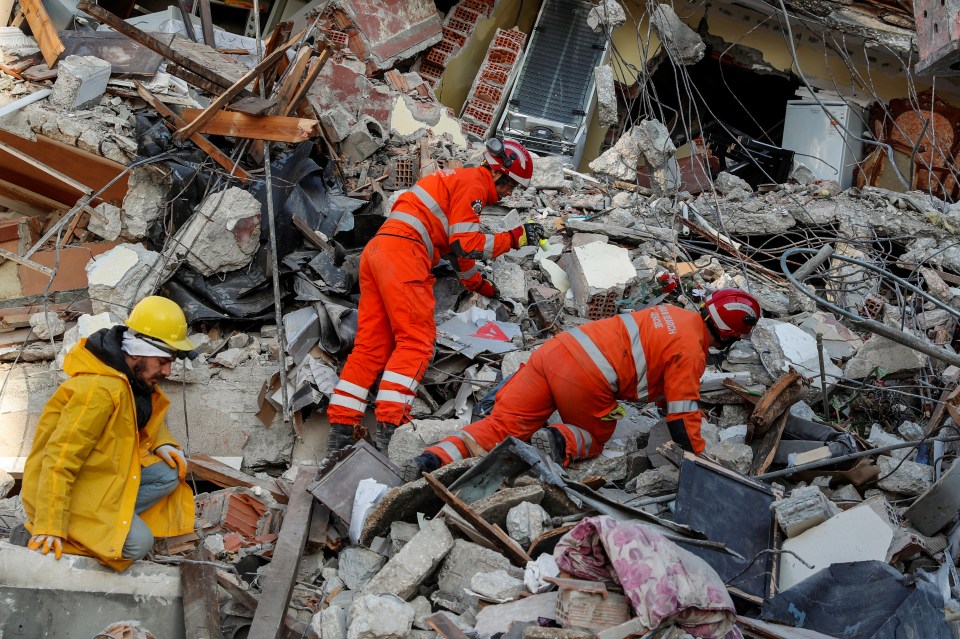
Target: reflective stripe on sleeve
pixel 596 356
pixel 396 378
pixel 468 273
pixel 636 347
pixel 431 204
pixel 349 387
pixel 464 227
pixel 683 406
pixel 488 247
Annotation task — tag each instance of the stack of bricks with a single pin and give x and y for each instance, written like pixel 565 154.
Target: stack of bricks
pixel 457 28
pixel 490 88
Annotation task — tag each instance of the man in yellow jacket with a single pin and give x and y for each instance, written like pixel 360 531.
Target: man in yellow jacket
pixel 105 475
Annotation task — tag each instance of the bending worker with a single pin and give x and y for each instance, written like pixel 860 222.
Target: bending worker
pixel 657 354
pixel 438 217
pixel 105 475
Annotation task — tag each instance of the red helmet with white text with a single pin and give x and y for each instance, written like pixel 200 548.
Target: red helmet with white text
pixel 510 158
pixel 731 313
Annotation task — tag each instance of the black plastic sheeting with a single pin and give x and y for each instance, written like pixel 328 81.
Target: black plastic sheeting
pixel 862 600
pixel 301 188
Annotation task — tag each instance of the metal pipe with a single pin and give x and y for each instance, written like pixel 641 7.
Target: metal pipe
pixel 7 109
pixel 823 377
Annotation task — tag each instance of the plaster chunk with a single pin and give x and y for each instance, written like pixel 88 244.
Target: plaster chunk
pixel 105 222
pixel 143 204
pixel 682 43
pixel 607 14
pixel 46 325
pixel 121 277
pixel 223 234
pixel 380 617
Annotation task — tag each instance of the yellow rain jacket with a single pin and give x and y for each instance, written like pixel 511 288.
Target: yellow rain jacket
pixel 81 479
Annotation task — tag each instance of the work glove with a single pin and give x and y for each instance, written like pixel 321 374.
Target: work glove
pixel 527 234
pixel 488 289
pixel 172 456
pixel 44 543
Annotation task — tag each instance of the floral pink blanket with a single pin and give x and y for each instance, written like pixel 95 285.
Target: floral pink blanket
pixel 662 581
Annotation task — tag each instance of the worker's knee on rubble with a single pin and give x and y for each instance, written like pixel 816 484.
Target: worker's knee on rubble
pixel 139 540
pixel 156 482
pixel 678 433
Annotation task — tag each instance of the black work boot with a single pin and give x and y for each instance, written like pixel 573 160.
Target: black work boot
pixel 422 463
pixel 550 441
pixel 383 436
pixel 341 436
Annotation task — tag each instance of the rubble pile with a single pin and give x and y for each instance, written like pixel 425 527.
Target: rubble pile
pixel 832 440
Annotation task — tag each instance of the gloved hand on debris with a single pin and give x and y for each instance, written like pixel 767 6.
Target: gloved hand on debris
pixel 530 234
pixel 488 289
pixel 173 457
pixel 44 543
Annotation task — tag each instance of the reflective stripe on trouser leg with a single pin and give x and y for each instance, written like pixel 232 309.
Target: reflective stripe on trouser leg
pixel 582 437
pixel 352 389
pixel 348 402
pixel 409 383
pixel 450 449
pixel 395 397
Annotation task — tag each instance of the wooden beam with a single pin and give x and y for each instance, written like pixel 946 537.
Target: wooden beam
pixel 315 67
pixel 507 546
pixel 152 43
pixel 43 31
pixel 194 80
pixel 201 598
pixel 282 571
pixel 206 24
pixel 208 468
pixel 312 236
pixel 277 36
pixel 293 628
pixel 49 170
pixel 288 85
pixel 208 147
pixel 230 93
pixel 4 253
pixel 257 127
pixel 13 196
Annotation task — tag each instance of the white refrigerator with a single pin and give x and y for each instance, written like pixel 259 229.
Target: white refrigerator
pixel 819 139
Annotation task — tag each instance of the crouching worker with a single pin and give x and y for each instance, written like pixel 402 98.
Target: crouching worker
pixel 104 475
pixel 657 354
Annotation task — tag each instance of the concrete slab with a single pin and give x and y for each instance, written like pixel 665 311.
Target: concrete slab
pixel 75 597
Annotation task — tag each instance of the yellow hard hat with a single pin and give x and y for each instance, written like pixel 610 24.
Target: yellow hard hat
pixel 161 318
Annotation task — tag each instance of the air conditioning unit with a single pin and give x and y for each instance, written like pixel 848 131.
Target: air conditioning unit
pixel 552 102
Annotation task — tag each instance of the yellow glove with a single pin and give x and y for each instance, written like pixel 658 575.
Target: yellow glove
pixel 44 543
pixel 173 458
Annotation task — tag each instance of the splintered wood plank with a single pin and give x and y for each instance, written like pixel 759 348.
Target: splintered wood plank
pixel 445 626
pixel 288 85
pixel 281 33
pixel 43 30
pixel 292 628
pixel 208 147
pixel 282 571
pixel 230 93
pixel 222 475
pixel 257 127
pixel 151 43
pixel 507 546
pixel 201 598
pixel 315 67
pixel 206 24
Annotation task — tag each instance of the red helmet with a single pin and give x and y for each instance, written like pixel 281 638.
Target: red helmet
pixel 731 312
pixel 510 158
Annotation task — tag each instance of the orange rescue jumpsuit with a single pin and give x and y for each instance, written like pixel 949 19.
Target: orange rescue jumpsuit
pixel 438 217
pixel 657 354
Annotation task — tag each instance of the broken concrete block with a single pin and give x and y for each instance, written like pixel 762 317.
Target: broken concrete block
pixel 497 506
pixel 606 15
pixel 411 439
pixel 358 566
pixel 512 361
pixel 338 122
pixel 47 324
pixel 400 533
pixel 497 585
pixel 681 42
pixel 223 233
pixel 231 358
pixel 621 160
pixel 656 481
pixel 931 511
pixel 782 345
pixel 365 138
pixel 105 222
pixel 606 95
pixel 421 610
pixel 548 173
pixel 597 269
pixel 6 483
pixel 730 183
pixel 330 623
pixel 879 352
pixel 911 431
pixel 839 342
pixel 121 277
pixel 509 280
pixel 405 571
pixel 76 596
pixel 731 415
pixel 493 620
pixel 731 454
pixel 845 493
pixel 805 508
pixel 879 438
pixel 464 561
pixel 144 203
pixel 81 82
pixel 910 478
pixel 379 617
pixel 525 522
pixel 737 434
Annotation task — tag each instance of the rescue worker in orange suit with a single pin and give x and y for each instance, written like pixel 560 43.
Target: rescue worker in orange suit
pixel 438 217
pixel 657 354
pixel 105 475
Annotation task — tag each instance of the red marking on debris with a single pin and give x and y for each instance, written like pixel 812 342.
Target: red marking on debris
pixel 491 331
